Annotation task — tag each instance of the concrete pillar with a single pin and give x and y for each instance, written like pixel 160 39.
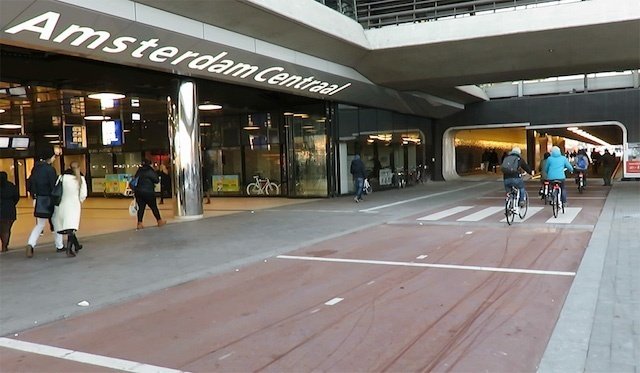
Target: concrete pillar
pixel 184 139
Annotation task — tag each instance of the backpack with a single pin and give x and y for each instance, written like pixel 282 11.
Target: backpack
pixel 581 162
pixel 134 183
pixel 510 164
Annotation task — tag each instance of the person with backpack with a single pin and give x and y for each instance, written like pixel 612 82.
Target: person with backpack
pixel 555 166
pixel 144 191
pixel 581 165
pixel 511 166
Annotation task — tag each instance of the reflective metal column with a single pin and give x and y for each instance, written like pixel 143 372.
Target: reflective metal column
pixel 184 138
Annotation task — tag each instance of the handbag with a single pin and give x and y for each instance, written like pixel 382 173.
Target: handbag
pixel 44 207
pixel 133 208
pixel 56 193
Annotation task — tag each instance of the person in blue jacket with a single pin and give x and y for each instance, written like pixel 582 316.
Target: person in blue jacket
pixel 555 166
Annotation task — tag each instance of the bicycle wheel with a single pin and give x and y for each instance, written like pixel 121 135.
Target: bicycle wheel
pixel 522 211
pixel 272 189
pixel 253 189
pixel 508 211
pixel 555 200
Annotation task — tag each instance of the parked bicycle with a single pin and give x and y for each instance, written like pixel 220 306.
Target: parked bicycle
pixel 512 206
pixel 262 187
pixel 556 198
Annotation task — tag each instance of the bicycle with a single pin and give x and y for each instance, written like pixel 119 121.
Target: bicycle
pixel 545 193
pixel 512 206
pixel 556 198
pixel 580 181
pixel 262 187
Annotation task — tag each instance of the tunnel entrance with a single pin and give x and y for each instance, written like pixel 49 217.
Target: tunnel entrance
pixel 476 152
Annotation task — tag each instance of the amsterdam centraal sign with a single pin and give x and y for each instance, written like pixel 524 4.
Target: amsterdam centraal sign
pixel 54 26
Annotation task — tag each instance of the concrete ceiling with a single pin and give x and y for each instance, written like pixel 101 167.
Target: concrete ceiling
pixel 434 68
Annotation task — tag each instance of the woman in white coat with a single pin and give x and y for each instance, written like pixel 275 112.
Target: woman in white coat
pixel 66 216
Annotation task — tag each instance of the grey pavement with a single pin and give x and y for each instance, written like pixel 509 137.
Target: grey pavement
pixel 599 326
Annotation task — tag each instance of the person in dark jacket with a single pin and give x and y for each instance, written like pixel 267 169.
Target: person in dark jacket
pixel 165 183
pixel 609 162
pixel 9 198
pixel 40 184
pixel 358 172
pixel 514 178
pixel 145 192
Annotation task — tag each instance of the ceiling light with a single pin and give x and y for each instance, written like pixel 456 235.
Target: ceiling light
pixel 572 128
pixel 10 126
pixel 51 136
pixel 287 113
pixel 2 111
pixel 96 117
pixel 106 96
pixel 209 107
pixel 251 128
pixel 205 124
pixel 54 142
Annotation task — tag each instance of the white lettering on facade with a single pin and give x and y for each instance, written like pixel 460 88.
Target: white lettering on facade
pixel 119 44
pixel 162 54
pixel 86 33
pixel 50 19
pixel 260 76
pixel 45 25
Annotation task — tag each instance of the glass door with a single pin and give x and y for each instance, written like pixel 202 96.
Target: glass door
pixel 306 153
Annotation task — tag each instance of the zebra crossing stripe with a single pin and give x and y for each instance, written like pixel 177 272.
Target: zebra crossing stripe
pixel 570 213
pixel 530 212
pixel 477 216
pixel 445 213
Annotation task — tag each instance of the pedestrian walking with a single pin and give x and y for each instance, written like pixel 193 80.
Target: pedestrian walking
pixel 484 160
pixel 608 164
pixel 165 183
pixel 40 184
pixel 66 216
pixel 358 172
pixel 9 198
pixel 145 194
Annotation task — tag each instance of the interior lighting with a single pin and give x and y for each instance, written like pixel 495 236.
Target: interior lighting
pixel 10 126
pixel 106 96
pixel 2 111
pixel 96 117
pixel 572 128
pixel 204 124
pixel 589 136
pixel 249 128
pixel 51 136
pixel 54 142
pixel 288 113
pixel 135 116
pixel 209 107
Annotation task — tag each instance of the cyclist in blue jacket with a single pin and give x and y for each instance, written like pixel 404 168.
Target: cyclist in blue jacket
pixel 555 166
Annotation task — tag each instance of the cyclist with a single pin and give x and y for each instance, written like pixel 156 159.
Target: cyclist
pixel 555 166
pixel 581 165
pixel 511 166
pixel 543 171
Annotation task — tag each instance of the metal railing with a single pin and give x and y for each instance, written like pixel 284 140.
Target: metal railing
pixel 379 13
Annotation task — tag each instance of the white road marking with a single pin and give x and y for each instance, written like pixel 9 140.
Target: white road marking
pixel 445 213
pixel 225 356
pixel 428 265
pixel 421 256
pixel 82 357
pixel 370 282
pixel 570 213
pixel 477 216
pixel 422 197
pixel 314 311
pixel 530 212
pixel 334 301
